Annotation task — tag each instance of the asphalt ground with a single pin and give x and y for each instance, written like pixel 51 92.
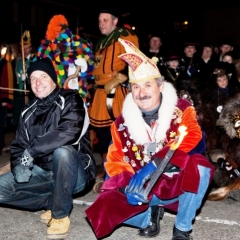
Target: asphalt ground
pixel 214 221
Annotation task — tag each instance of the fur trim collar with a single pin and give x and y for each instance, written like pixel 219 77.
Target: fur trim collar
pixel 134 121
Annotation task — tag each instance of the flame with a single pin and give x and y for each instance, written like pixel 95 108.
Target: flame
pixel 182 133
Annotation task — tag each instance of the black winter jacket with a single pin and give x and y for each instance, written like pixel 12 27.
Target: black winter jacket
pixel 49 123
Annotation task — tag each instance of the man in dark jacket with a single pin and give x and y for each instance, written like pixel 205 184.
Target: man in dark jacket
pixel 50 151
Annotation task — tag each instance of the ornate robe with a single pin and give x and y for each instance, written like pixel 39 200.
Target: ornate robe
pixel 126 155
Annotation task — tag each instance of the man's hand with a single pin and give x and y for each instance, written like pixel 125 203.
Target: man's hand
pixel 223 164
pixel 24 76
pixel 82 63
pixel 135 187
pixel 119 78
pixel 22 172
pixel 136 198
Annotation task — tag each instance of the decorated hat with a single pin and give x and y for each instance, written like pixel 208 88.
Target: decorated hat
pixel 56 28
pixel 141 68
pixel 26 38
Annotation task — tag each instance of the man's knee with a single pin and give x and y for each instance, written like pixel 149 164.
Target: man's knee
pixel 64 154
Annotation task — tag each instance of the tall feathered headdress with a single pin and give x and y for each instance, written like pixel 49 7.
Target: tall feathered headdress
pixel 56 25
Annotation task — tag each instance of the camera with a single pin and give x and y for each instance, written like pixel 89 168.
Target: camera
pixel 222 163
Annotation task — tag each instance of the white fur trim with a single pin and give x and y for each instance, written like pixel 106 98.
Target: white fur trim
pixel 135 122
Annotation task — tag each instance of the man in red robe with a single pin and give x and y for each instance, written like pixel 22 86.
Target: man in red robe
pixel 148 126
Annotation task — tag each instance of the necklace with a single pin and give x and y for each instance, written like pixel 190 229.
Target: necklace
pixel 171 76
pixel 102 47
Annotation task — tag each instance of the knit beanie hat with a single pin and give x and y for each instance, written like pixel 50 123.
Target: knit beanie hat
pixel 45 65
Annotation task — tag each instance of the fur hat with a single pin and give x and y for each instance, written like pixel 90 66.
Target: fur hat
pixel 229 117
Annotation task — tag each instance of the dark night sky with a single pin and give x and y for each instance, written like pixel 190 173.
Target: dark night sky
pixel 148 18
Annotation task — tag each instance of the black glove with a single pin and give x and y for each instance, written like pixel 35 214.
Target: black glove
pixel 22 172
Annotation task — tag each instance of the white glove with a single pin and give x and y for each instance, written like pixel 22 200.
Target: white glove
pixel 23 76
pixel 73 83
pixel 82 63
pixel 71 69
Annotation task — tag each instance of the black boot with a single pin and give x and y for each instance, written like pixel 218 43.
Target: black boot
pixel 154 227
pixel 180 235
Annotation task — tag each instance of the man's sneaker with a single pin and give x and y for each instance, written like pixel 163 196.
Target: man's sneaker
pixel 46 217
pixel 58 228
pixel 180 235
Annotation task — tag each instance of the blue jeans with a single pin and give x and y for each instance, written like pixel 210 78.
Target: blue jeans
pixel 189 203
pixel 50 190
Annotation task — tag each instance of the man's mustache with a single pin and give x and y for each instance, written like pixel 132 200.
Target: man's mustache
pixel 143 98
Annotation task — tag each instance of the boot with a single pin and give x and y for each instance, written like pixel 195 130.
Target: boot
pixel 58 228
pixel 46 217
pixel 154 227
pixel 97 186
pixel 180 235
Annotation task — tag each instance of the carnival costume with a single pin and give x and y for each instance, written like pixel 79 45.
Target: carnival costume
pixel 228 154
pixel 20 97
pixel 136 144
pixel 109 69
pixel 68 52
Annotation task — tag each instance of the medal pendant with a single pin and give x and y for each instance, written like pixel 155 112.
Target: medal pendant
pixel 151 148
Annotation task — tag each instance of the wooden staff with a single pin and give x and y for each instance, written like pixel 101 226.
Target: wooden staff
pixel 74 75
pixel 23 68
pixel 14 89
